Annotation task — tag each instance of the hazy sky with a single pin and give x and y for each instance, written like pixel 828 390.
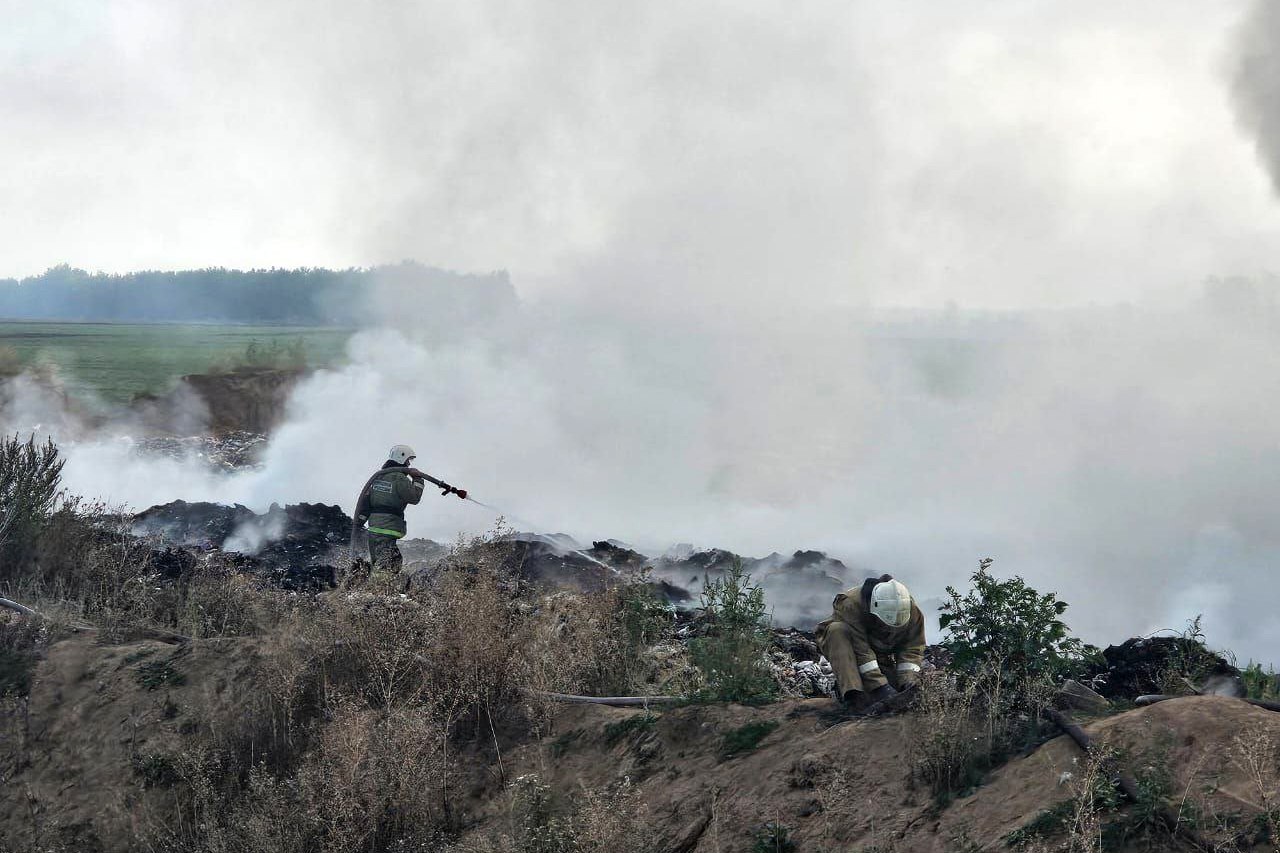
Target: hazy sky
pixel 764 153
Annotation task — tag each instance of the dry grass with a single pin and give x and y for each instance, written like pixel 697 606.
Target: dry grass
pixel 372 715
pixel 944 744
pixel 539 821
pixel 373 709
pixel 963 727
pixel 1254 752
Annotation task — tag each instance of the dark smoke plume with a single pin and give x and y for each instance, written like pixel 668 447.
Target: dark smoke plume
pixel 1255 83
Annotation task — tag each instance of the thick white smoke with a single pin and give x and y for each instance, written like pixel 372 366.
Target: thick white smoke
pixel 708 208
pixel 1119 457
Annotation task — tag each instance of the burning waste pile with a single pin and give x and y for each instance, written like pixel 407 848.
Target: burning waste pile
pixel 298 547
pixel 306 548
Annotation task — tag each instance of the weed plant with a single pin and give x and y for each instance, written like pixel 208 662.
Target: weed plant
pixel 1259 683
pixel 732 655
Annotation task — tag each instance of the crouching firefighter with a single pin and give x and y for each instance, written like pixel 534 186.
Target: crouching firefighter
pixel 874 641
pixel 381 504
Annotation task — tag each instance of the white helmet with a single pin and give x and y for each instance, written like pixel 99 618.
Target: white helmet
pixel 891 603
pixel 401 454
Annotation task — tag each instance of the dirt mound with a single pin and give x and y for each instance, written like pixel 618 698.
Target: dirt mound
pixel 846 788
pixel 106 722
pixel 101 727
pixel 248 399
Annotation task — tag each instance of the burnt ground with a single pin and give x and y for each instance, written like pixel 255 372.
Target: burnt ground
pixel 306 546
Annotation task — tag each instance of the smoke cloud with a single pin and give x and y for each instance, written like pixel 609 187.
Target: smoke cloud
pixel 711 212
pixel 1119 457
pixel 1255 83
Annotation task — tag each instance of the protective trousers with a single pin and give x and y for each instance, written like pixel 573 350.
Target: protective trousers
pixel 836 642
pixel 384 555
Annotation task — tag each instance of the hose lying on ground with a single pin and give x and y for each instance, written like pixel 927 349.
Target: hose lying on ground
pixel 1153 698
pixel 143 633
pixel 618 701
pixel 21 608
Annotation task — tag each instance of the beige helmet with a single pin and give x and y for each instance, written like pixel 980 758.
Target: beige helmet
pixel 891 603
pixel 401 454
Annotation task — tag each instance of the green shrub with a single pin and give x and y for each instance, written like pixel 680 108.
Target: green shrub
pixel 30 473
pixel 1188 662
pixel 773 837
pixel 157 770
pixel 645 620
pixel 1011 626
pixel 745 738
pixel 1259 683
pixel 159 673
pixel 732 655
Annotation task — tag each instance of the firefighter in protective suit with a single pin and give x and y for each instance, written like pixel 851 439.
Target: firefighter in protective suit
pixel 874 641
pixel 382 503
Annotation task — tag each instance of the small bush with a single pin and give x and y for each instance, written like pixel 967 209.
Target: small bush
pixel 946 750
pixel 1010 625
pixel 157 769
pixel 773 837
pixel 159 673
pixel 745 738
pixel 1259 683
pixel 645 620
pixel 963 728
pixel 732 655
pixel 1189 662
pixel 30 473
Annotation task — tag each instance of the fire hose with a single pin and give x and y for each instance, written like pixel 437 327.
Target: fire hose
pixel 357 521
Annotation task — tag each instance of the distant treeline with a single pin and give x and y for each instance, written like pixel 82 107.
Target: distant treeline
pixel 303 297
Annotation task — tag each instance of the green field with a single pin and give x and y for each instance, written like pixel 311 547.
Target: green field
pixel 113 362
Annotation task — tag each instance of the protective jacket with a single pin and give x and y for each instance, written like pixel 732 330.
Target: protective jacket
pixel 390 491
pixel 861 647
